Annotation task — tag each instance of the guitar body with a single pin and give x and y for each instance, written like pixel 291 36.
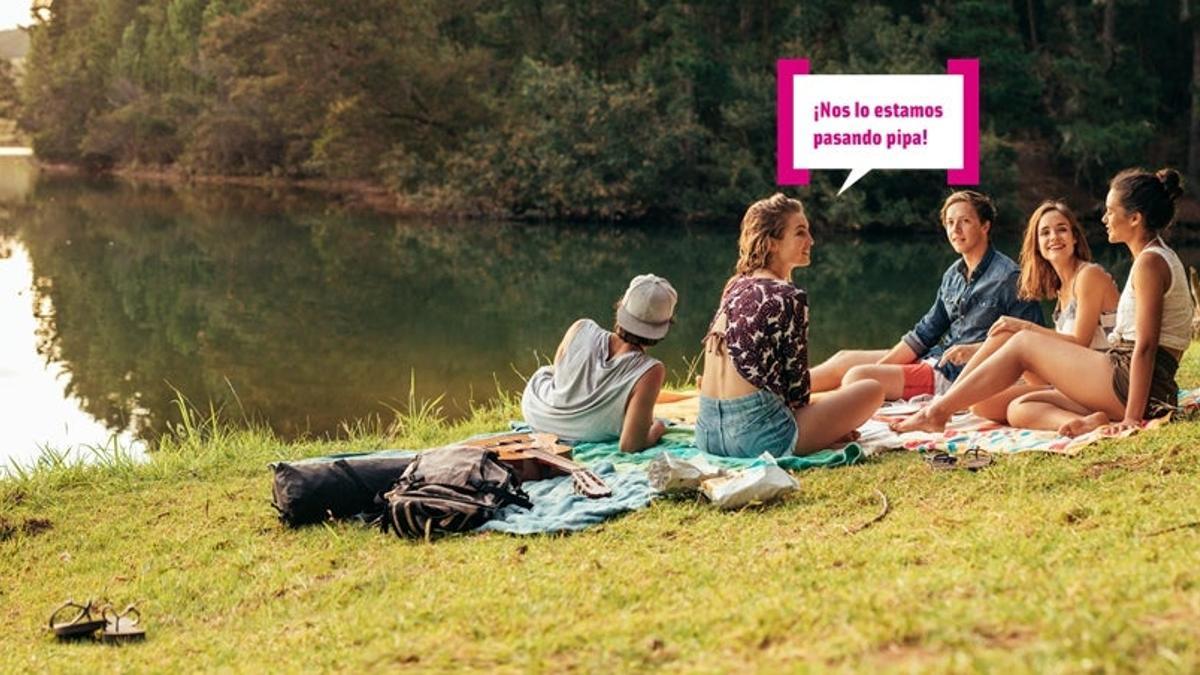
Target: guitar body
pixel 515 451
pixel 541 456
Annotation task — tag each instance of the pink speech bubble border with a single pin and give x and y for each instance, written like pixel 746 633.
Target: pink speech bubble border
pixel 969 174
pixel 786 172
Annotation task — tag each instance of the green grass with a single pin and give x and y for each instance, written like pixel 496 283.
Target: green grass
pixel 1039 563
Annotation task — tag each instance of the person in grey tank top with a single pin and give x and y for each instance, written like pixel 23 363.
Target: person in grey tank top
pixel 602 385
pixel 1130 383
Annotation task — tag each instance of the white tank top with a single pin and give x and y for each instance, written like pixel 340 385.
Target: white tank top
pixel 1064 321
pixel 1176 331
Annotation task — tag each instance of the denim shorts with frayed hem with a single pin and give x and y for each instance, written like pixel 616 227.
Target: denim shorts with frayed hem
pixel 746 426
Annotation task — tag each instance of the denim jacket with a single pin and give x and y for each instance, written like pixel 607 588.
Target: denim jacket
pixel 967 307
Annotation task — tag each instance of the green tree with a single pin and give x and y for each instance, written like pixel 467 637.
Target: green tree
pixel 612 109
pixel 68 70
pixel 10 96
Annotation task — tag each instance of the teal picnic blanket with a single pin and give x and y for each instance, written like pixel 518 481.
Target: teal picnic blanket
pixel 556 507
pixel 681 443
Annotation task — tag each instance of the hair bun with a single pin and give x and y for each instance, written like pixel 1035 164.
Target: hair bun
pixel 1171 181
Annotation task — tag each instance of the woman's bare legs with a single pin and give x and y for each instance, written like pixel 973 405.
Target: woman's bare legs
pixel 827 375
pixel 1081 374
pixel 1050 409
pixel 889 375
pixel 995 408
pixel 827 420
pixel 985 350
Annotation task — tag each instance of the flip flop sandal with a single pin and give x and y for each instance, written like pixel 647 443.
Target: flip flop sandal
pixel 80 624
pixel 942 460
pixel 971 460
pixel 122 627
pixel 975 459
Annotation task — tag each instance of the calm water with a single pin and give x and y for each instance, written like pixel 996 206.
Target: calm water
pixel 287 309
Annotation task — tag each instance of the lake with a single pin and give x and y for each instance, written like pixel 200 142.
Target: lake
pixel 290 309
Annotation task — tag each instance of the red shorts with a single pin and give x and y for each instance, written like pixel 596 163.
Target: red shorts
pixel 918 379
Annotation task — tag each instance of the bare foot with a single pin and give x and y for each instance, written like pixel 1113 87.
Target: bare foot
pixel 1082 425
pixel 926 420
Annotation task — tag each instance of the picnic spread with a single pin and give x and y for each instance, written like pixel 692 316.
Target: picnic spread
pixel 520 482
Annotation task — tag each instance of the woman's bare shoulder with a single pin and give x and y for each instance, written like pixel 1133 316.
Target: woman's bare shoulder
pixel 1094 278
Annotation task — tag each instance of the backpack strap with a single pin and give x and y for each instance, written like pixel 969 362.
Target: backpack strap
pixel 510 492
pixel 507 497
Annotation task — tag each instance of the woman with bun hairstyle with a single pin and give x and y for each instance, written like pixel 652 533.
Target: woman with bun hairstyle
pixel 1055 263
pixel 1132 381
pixel 754 395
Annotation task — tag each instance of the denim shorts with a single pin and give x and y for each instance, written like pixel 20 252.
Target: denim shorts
pixel 747 426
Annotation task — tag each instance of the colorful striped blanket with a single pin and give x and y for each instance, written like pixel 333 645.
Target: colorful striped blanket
pixel 965 430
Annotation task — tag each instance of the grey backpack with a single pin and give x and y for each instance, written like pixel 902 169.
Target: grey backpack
pixel 451 489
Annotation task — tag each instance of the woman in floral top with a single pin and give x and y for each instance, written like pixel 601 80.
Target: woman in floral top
pixel 754 396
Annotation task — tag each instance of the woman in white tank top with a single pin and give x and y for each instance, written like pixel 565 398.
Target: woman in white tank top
pixel 1055 263
pixel 1130 382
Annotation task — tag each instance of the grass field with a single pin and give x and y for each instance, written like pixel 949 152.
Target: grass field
pixel 1039 563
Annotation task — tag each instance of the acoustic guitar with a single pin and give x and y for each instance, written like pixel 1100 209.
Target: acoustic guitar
pixel 541 456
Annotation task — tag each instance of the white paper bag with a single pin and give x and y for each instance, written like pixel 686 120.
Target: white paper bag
pixel 757 484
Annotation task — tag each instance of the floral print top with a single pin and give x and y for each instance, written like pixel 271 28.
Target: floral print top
pixel 767 335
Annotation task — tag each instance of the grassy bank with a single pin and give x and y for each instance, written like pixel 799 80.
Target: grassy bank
pixel 1038 563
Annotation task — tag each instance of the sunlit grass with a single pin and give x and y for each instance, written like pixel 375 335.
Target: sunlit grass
pixel 1039 563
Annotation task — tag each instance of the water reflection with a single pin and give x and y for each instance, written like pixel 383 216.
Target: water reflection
pixel 280 309
pixel 38 407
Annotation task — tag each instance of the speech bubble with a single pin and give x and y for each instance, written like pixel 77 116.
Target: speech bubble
pixel 866 122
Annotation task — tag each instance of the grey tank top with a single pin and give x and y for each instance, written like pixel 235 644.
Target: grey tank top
pixel 583 397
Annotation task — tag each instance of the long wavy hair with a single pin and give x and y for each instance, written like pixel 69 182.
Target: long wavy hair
pixel 764 220
pixel 1038 279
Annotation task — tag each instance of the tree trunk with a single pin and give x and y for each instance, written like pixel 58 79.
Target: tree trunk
pixel 1071 20
pixel 1109 37
pixel 1193 157
pixel 1033 41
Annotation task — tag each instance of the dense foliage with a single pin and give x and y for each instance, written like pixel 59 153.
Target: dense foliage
pixel 613 109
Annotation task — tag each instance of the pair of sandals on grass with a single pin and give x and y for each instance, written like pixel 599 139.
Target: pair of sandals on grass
pixel 92 620
pixel 973 459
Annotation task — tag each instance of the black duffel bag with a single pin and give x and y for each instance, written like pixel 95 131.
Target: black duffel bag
pixel 451 489
pixel 339 486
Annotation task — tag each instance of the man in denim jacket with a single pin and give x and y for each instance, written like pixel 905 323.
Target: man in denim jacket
pixel 975 291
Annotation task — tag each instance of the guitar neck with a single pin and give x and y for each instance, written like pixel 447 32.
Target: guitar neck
pixel 553 460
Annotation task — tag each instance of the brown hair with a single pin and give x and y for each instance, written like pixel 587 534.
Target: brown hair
pixel 764 220
pixel 632 338
pixel 1151 194
pixel 984 208
pixel 1038 279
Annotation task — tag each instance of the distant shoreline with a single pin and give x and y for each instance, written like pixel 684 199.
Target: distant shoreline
pixel 353 192
pixel 369 195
